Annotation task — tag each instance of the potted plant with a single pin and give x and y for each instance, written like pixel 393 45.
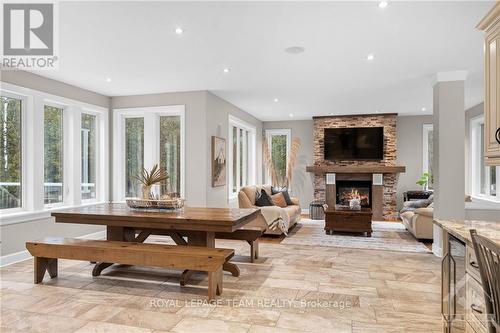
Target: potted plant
pixel 424 180
pixel 150 178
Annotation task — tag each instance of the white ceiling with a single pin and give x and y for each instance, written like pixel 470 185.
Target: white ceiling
pixel 134 44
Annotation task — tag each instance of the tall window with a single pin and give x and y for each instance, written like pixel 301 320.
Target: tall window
pixel 10 153
pixel 148 136
pixel 53 155
pixel 241 155
pixel 279 141
pixel 134 155
pixel 428 150
pixel 484 179
pixel 89 156
pixel 170 153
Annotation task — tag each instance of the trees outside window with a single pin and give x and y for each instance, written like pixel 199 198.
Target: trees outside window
pixel 134 155
pixel 279 142
pixel 241 155
pixel 53 155
pixel 10 153
pixel 89 156
pixel 170 153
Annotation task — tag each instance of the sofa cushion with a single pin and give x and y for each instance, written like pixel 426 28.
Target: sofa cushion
pixel 425 211
pixel 283 190
pixel 250 192
pixel 279 199
pixel 262 199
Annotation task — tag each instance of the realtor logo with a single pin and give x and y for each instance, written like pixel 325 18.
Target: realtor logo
pixel 28 36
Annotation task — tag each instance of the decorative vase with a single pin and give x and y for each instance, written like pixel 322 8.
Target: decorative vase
pixel 146 192
pixel 355 204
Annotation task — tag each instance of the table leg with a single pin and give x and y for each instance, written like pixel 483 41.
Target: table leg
pixel 116 234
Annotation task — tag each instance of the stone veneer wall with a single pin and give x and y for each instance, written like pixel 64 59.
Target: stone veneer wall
pixel 388 121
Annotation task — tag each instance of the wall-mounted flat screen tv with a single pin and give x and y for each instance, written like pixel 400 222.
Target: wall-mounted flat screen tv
pixel 355 143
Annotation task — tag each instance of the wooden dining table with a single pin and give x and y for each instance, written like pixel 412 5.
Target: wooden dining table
pixel 189 226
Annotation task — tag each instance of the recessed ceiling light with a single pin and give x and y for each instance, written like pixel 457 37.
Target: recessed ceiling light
pixel 331 114
pixel 108 79
pixel 291 115
pixel 377 111
pixel 295 49
pixel 179 30
pixel 226 70
pixel 383 4
pixel 424 109
pixel 370 57
pixel 276 100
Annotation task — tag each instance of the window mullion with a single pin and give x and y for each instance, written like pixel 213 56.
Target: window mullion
pixel 34 158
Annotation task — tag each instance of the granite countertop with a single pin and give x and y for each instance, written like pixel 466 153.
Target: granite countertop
pixel 460 229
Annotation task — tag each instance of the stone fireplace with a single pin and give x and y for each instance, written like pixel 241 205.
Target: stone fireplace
pixel 333 180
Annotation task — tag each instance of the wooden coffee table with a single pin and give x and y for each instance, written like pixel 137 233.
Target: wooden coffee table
pixel 344 219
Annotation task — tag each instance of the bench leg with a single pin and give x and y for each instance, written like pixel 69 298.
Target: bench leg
pixel 41 265
pixel 214 283
pixel 99 267
pixel 52 267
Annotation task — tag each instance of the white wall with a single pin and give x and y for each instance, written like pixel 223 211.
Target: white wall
pixel 302 182
pixel 410 152
pixel 218 111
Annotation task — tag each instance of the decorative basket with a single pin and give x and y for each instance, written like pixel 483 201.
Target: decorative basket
pixel 168 204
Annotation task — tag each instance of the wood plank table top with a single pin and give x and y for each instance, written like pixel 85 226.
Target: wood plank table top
pixel 188 218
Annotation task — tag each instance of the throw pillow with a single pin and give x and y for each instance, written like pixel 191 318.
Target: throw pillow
pixel 284 190
pixel 263 199
pixel 279 200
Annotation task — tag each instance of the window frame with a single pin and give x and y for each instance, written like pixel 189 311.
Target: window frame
pixel 276 132
pixel 426 128
pixel 100 155
pixel 474 163
pixel 249 158
pixel 66 125
pixel 151 148
pixel 33 152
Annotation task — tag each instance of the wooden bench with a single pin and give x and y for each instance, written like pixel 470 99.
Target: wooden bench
pixel 48 250
pixel 249 234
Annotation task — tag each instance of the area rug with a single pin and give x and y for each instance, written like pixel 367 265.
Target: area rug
pixel 389 236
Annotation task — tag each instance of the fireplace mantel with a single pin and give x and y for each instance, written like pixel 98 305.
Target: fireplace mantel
pixel 322 169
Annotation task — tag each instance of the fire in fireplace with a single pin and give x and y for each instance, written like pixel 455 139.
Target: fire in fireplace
pixel 347 190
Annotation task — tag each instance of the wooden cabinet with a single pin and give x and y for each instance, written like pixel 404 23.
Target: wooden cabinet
pixel 491 25
pixel 475 309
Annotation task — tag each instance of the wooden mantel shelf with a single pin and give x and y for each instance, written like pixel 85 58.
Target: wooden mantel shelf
pixel 320 169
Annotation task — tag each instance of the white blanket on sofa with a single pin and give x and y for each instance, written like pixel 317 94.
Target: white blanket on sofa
pixel 276 217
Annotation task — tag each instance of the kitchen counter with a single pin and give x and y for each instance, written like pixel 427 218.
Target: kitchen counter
pixel 460 229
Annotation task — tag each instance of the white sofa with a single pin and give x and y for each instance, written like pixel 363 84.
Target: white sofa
pixel 275 219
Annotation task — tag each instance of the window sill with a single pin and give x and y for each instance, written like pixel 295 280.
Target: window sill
pixel 479 203
pixel 27 216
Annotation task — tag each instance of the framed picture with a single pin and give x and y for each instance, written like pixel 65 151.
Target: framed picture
pixel 218 161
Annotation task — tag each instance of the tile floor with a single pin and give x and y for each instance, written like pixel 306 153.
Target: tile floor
pixel 290 289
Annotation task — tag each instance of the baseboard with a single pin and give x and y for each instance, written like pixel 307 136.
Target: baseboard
pixel 13 258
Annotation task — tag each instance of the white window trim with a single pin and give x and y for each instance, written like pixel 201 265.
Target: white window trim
pixel 33 151
pixel 151 142
pixel 251 167
pixel 426 128
pixel 269 134
pixel 474 175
